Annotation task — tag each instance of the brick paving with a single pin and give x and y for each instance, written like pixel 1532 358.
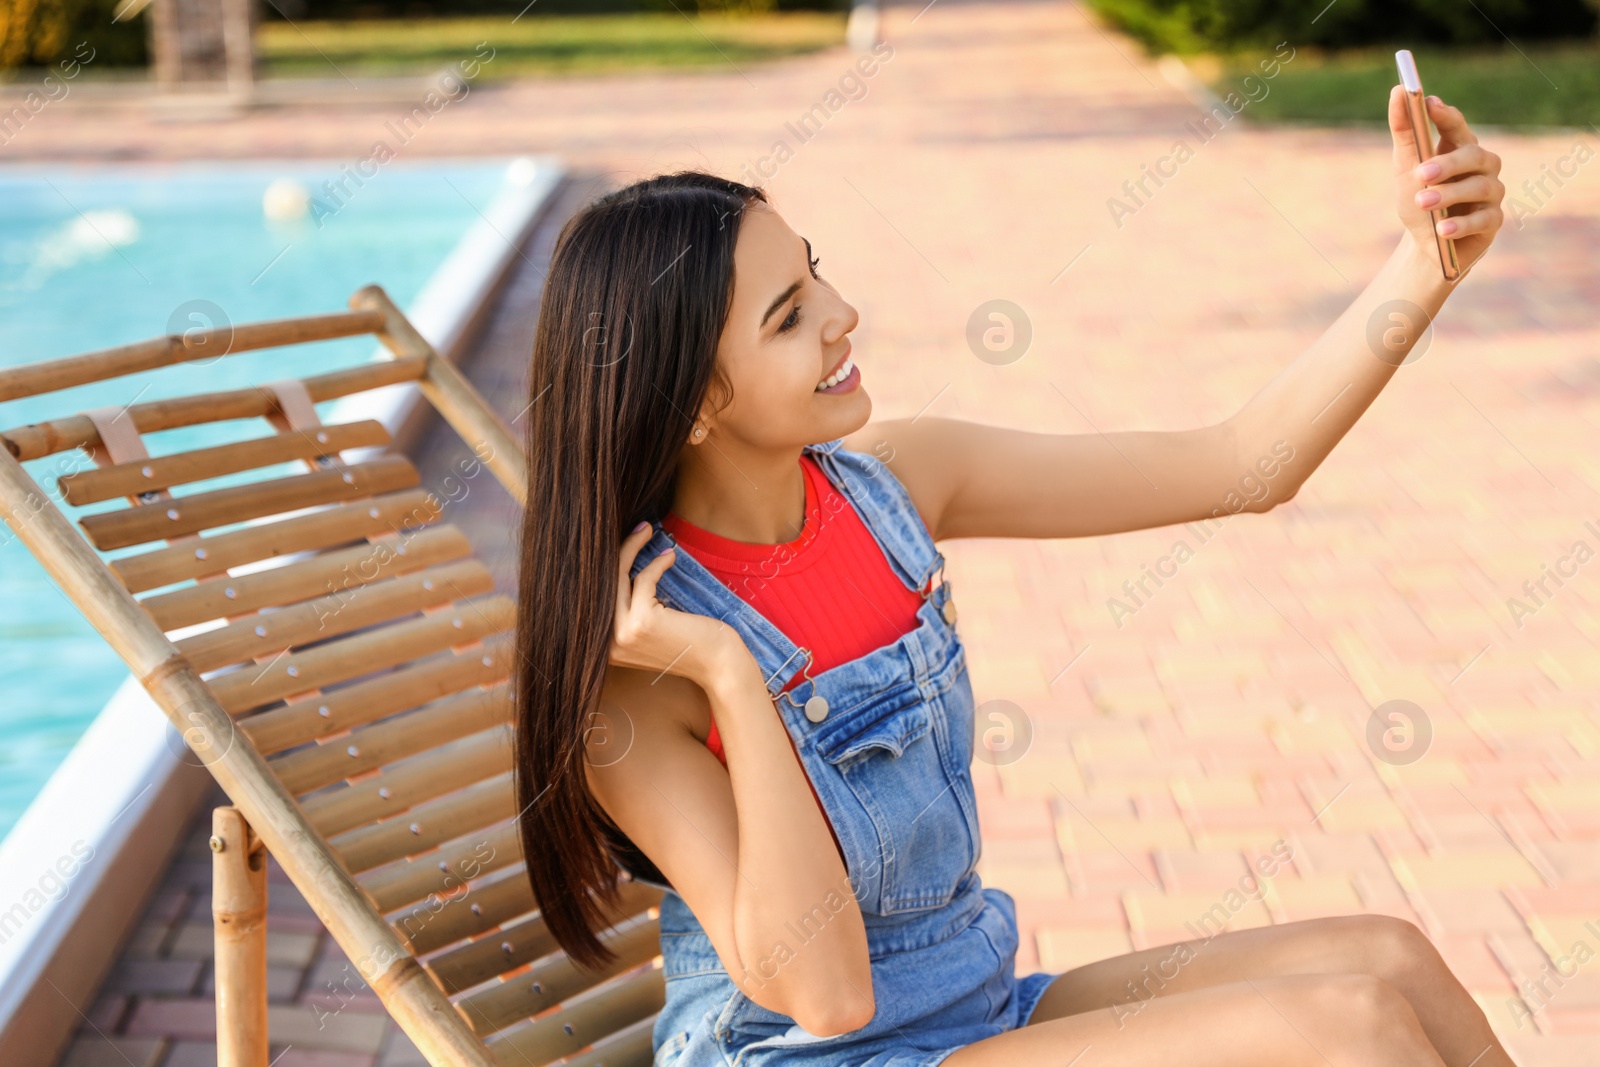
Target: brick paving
pixel 156 1008
pixel 1229 713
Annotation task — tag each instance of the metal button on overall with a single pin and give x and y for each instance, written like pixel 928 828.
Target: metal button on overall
pixel 817 708
pixel 948 610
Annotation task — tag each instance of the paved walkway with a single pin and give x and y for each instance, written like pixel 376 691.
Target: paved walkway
pixel 1230 711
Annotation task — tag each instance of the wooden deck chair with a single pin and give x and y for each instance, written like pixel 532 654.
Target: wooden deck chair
pixel 353 702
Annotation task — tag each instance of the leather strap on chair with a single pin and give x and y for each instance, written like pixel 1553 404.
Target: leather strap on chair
pixel 120 442
pixel 295 410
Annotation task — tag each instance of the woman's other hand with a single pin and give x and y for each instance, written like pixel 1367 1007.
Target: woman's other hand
pixel 1462 178
pixel 649 636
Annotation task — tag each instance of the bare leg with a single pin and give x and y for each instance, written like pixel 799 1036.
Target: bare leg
pixel 1322 1020
pixel 1389 949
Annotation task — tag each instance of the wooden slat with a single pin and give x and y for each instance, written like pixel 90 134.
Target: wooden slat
pixel 484 905
pixel 76 431
pixel 331 713
pixel 347 569
pixel 51 375
pixel 547 984
pixel 408 992
pixel 263 634
pixel 339 525
pixel 427 825
pixel 163 472
pixel 583 1021
pixel 316 766
pixel 523 942
pixel 443 869
pixel 365 653
pixel 632 1046
pixel 453 396
pixel 167 519
pixel 410 782
pixel 497 953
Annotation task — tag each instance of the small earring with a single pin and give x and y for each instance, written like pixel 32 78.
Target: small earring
pixel 699 431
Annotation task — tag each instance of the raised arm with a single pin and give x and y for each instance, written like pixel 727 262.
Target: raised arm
pixel 969 480
pixel 746 846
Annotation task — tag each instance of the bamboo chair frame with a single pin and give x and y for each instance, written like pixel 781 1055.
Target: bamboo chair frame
pixel 362 830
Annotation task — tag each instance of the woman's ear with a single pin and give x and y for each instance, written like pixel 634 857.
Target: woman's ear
pixel 719 393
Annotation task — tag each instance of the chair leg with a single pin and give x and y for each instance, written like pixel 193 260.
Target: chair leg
pixel 239 917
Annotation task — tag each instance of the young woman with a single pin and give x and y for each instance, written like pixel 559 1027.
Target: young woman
pixel 761 704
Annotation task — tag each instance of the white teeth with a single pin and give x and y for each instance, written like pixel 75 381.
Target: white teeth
pixel 838 376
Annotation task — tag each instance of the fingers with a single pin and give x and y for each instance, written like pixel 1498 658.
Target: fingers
pixel 1484 220
pixel 1473 189
pixel 1468 159
pixel 1405 141
pixel 630 549
pixel 1400 119
pixel 1451 122
pixel 644 586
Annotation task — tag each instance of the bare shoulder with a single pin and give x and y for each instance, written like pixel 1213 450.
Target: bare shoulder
pixel 669 696
pixel 921 453
pixel 673 799
pixel 661 786
pixel 641 716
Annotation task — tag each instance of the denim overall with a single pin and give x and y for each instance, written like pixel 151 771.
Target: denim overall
pixel 888 749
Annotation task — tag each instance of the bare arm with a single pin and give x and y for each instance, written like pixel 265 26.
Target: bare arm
pixel 969 480
pixel 746 847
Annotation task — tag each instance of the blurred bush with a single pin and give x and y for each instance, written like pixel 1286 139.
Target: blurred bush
pixel 385 9
pixel 1221 25
pixel 40 33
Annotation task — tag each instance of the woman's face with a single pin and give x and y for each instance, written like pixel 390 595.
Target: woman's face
pixel 787 334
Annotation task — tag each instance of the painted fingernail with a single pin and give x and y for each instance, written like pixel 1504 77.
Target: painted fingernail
pixel 1427 198
pixel 1428 171
pixel 1447 227
pixel 642 526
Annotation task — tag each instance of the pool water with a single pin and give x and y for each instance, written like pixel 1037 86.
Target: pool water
pixel 93 257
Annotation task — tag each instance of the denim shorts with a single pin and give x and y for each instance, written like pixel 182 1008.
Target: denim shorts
pixel 930 1001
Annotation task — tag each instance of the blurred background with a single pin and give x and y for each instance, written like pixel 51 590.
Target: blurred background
pixel 1396 672
pixel 1488 54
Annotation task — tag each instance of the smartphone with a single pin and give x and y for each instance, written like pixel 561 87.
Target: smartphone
pixel 1416 107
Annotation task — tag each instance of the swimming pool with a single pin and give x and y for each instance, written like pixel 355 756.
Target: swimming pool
pixel 92 257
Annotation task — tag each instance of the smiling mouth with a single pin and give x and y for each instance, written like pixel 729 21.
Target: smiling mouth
pixel 840 373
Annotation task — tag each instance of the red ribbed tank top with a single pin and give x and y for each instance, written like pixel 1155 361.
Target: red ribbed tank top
pixel 830 590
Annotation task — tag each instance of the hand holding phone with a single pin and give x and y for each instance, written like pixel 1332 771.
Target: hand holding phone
pixel 1416 108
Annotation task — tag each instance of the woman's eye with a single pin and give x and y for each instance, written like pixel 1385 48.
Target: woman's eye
pixel 814 263
pixel 791 321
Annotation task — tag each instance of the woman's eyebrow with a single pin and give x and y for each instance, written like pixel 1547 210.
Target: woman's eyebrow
pixel 783 297
pixel 787 293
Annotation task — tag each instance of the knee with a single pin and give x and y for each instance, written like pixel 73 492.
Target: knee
pixel 1369 1011
pixel 1368 1001
pixel 1392 949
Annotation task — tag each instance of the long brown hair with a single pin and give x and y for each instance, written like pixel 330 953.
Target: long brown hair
pixel 624 355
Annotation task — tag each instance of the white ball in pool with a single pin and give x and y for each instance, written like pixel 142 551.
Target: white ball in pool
pixel 285 199
pixel 521 171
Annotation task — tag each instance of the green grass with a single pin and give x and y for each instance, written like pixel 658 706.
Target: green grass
pixel 1543 85
pixel 544 45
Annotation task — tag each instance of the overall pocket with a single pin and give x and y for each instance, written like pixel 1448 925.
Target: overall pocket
pixel 667 1054
pixel 887 755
